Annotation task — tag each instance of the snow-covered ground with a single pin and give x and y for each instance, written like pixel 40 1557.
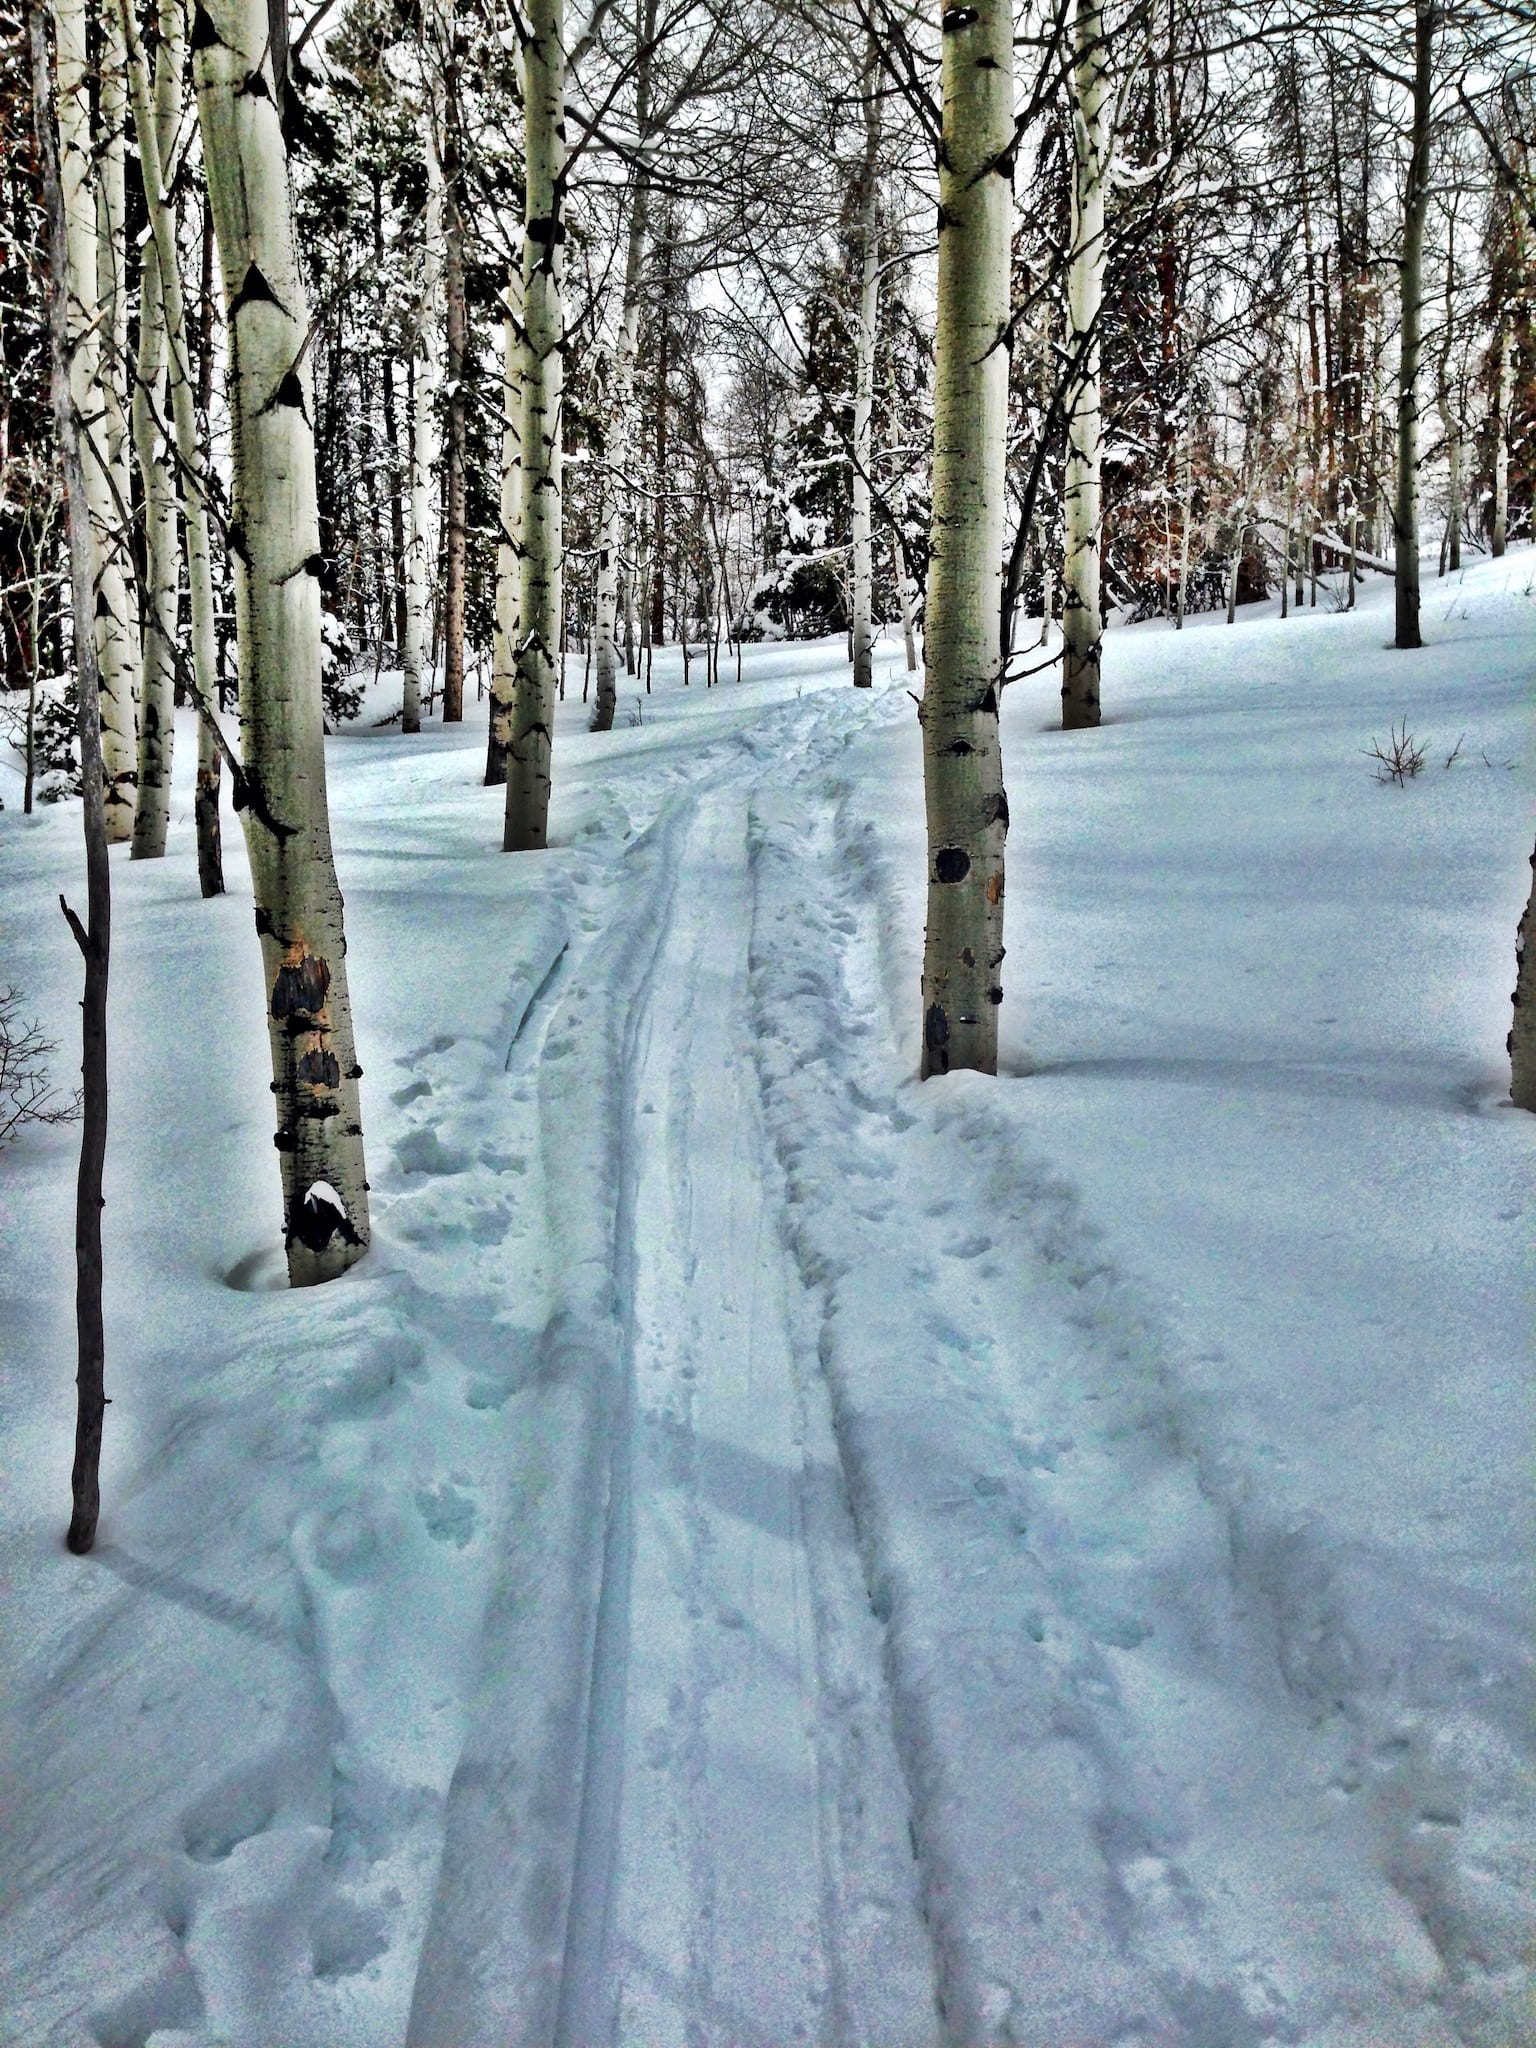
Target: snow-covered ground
pixel 765 1551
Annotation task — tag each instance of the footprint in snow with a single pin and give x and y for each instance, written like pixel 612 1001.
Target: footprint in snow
pixel 448 1511
pixel 423 1151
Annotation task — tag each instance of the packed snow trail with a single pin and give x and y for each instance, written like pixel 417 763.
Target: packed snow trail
pixel 722 1850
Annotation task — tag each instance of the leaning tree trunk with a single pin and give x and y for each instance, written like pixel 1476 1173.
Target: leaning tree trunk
pixel 864 384
pixel 538 653
pixel 1405 517
pixel 1081 624
pixel 967 809
pixel 422 549
pixel 90 374
pixel 508 546
pixel 277 588
pixel 94 937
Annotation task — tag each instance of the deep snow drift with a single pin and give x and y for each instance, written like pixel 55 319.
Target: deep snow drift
pixel 764 1551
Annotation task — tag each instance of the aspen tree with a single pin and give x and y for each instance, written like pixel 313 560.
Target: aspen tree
pixel 456 335
pixel 1503 393
pixel 120 671
pixel 88 374
pixel 1521 1043
pixel 275 539
pixel 508 546
pixel 155 120
pixel 157 471
pixel 619 451
pixel 421 552
pixel 1081 623
pixel 967 809
pixel 1405 519
pixel 864 382
pixel 538 652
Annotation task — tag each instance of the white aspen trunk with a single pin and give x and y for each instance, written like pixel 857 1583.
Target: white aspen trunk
pixel 619 456
pixel 275 537
pixel 967 809
pixel 77 179
pixel 150 416
pixel 421 547
pixel 1285 559
pixel 157 687
pixel 120 669
pixel 508 545
pixel 906 591
pixel 1405 516
pixel 1504 381
pixel 538 653
pixel 155 124
pixel 1178 624
pixel 1081 623
pixel 864 384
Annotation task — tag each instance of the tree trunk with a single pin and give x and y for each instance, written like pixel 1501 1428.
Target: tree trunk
pixel 1081 625
pixel 508 546
pixel 1522 1035
pixel 205 807
pixel 1405 518
pixel 277 586
pixel 423 545
pixel 90 373
pixel 65 296
pixel 155 122
pixel 906 590
pixel 119 669
pixel 1504 380
pixel 157 468
pixel 457 326
pixel 864 382
pixel 967 810
pixel 528 767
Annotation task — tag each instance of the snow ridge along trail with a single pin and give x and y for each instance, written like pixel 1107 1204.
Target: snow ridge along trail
pixel 678 1816
pixel 1160 1795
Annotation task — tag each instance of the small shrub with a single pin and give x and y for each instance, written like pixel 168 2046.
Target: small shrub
pixel 26 1095
pixel 1402 756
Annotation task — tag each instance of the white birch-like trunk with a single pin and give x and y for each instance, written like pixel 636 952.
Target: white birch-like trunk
pixel 89 373
pixel 967 809
pixel 864 385
pixel 1522 1035
pixel 540 527
pixel 619 455
pixel 275 538
pixel 1187 506
pixel 1503 390
pixel 508 544
pixel 1405 516
pixel 421 545
pixel 155 122
pixel 906 592
pixel 1081 622
pixel 157 466
pixel 120 670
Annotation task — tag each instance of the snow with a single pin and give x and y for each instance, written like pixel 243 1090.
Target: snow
pixel 764 1550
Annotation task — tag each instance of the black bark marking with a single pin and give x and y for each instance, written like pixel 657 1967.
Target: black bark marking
pixel 300 987
pixel 290 391
pixel 319 1068
pixel 315 1221
pixel 986 703
pixel 959 748
pixel 256 86
pixel 237 543
pixel 354 1073
pixel 997 809
pixel 951 864
pixel 254 291
pixel 994 995
pixel 204 35
pixel 936 1036
pixel 958 17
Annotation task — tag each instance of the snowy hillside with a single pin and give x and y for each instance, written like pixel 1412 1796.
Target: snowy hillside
pixel 764 1550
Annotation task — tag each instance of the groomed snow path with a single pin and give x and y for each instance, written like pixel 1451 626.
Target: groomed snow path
pixel 763 1551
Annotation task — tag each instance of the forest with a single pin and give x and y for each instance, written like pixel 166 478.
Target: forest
pixel 692 1422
